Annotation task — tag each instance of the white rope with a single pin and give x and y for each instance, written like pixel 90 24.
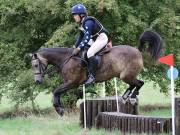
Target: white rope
pixel 117 103
pixel 84 99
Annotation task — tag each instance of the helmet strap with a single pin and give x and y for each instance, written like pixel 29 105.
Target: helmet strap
pixel 82 16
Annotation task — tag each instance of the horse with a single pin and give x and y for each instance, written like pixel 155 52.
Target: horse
pixel 122 61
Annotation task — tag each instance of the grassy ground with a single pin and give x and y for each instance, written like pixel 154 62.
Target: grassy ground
pixel 46 125
pixel 152 96
pixel 52 124
pixel 154 103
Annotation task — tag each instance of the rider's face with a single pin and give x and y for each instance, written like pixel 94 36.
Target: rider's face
pixel 77 18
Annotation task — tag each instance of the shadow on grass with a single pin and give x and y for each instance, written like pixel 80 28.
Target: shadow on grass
pixel 25 112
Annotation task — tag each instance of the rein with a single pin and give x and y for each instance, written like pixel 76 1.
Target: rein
pixel 50 71
pixel 73 57
pixel 42 67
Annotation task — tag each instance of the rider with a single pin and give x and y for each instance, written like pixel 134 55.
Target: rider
pixel 92 34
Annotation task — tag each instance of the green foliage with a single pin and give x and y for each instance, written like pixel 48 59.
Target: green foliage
pixel 23 89
pixel 27 25
pixel 11 63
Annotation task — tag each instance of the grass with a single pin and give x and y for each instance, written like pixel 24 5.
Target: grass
pixel 33 125
pixel 52 124
pixel 42 100
pixel 154 103
pixel 152 96
pixel 48 125
pixel 166 113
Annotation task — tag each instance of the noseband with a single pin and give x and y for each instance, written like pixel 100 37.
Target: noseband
pixel 42 67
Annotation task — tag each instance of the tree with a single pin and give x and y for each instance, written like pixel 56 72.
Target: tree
pixel 27 25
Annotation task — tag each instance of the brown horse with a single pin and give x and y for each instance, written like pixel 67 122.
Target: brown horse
pixel 123 61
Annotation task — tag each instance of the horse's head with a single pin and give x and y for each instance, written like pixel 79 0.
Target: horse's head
pixel 39 65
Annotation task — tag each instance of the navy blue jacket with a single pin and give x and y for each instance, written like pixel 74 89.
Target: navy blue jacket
pixel 90 29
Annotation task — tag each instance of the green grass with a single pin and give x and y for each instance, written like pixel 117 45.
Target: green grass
pixel 157 112
pixel 158 103
pixel 46 125
pixel 5 105
pixel 52 124
pixel 152 96
pixel 33 125
pixel 43 101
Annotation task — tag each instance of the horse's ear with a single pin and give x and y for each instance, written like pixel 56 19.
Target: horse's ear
pixel 28 56
pixel 35 55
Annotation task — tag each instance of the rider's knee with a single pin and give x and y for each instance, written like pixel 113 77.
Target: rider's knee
pixel 90 54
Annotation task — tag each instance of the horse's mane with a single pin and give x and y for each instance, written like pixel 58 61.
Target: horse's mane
pixel 56 50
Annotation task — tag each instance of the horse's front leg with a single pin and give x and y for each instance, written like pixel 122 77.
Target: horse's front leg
pixel 56 97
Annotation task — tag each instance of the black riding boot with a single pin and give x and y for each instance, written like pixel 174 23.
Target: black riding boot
pixel 91 68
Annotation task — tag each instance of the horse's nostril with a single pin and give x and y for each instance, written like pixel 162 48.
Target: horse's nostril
pixel 38 82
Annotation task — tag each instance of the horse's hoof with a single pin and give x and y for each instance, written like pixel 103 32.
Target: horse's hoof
pixel 122 100
pixel 60 111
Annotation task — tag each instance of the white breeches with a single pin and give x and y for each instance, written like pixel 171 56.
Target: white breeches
pixel 101 41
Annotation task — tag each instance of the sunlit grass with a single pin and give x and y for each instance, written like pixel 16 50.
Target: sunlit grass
pixel 45 125
pixel 52 124
pixel 42 101
pixel 152 96
pixel 157 112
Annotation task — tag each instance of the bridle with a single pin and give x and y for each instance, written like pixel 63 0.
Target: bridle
pixel 43 70
pixel 72 57
pixel 41 67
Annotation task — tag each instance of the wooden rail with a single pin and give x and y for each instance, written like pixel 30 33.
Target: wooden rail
pixel 128 123
pixel 177 115
pixel 107 104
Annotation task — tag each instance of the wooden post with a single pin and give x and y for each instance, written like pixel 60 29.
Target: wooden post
pixel 128 123
pixel 107 104
pixel 177 116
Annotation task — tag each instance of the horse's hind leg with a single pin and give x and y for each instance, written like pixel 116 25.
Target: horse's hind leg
pixel 138 84
pixel 128 92
pixel 133 90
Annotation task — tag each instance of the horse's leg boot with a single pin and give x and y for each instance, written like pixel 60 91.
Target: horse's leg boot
pixel 127 93
pixel 135 92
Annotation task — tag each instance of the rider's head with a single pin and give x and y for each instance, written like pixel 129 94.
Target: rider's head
pixel 79 11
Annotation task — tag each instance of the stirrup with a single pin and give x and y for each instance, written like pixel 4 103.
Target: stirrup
pixel 90 80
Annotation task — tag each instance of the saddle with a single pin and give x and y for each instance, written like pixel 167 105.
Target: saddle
pixel 98 55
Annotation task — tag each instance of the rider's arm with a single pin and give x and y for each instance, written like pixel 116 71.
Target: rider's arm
pixel 79 39
pixel 87 35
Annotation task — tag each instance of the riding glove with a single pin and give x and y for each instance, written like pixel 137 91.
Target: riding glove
pixel 76 51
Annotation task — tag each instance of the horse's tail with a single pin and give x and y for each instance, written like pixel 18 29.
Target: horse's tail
pixel 155 43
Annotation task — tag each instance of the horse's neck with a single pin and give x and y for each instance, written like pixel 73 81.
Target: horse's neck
pixel 56 56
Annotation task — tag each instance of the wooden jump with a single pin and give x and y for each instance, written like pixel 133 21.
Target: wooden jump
pixel 177 115
pixel 128 123
pixel 101 113
pixel 107 104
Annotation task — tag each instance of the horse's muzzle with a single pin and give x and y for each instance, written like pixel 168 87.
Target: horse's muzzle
pixel 38 82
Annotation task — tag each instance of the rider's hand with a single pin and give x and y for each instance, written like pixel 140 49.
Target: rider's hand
pixel 76 51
